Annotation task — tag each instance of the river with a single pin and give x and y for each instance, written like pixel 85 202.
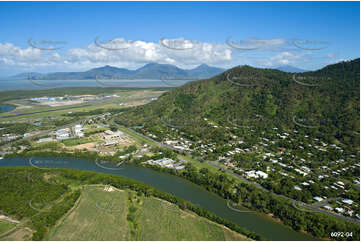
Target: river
pixel 179 187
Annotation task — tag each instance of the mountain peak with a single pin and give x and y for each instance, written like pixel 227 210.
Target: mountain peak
pixel 151 64
pixel 105 67
pixel 150 70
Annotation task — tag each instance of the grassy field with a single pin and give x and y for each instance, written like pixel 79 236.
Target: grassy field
pixel 140 139
pixel 100 215
pixel 160 220
pixel 5 226
pixel 76 141
pixel 22 234
pixel 103 215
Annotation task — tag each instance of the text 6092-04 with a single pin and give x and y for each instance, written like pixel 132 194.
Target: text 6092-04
pixel 341 234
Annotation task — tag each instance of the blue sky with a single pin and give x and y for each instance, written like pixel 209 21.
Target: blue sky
pixel 269 26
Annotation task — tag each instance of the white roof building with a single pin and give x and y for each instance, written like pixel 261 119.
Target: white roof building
pixel 306 169
pixel 301 172
pixel 318 199
pixel 262 174
pixel 45 140
pixel 327 207
pixel 298 188
pixel 347 201
pixel 340 210
pixel 341 183
pixel 63 136
pixel 251 174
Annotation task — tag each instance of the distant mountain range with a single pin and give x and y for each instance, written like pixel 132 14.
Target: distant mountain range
pixel 149 71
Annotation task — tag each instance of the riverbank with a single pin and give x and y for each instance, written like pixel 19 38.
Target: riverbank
pixel 178 187
pixel 152 220
pixel 291 218
pixel 252 198
pixel 125 183
pixel 289 221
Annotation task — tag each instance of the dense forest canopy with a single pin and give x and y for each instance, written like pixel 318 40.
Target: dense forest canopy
pixel 326 99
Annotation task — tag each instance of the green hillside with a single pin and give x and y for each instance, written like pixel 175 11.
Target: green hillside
pixel 326 102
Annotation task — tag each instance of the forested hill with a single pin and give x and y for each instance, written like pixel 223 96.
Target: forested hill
pixel 323 102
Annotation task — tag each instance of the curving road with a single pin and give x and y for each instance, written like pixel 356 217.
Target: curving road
pixel 316 207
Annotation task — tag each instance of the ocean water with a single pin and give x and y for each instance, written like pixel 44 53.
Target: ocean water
pixel 7 85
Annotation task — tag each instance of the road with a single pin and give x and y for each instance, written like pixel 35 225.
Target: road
pixel 316 207
pixel 313 207
pixel 17 225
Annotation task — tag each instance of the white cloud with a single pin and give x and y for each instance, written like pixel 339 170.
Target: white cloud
pixel 133 54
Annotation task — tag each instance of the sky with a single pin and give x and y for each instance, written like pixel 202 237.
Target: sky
pixel 76 36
